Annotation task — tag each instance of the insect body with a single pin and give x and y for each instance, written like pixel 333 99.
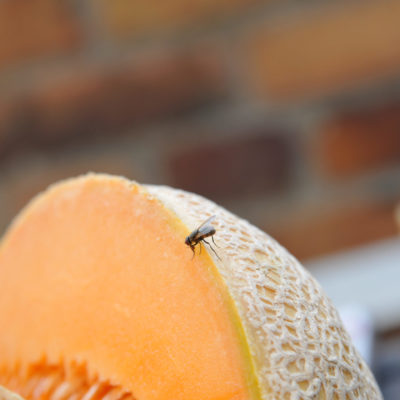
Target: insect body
pixel 200 234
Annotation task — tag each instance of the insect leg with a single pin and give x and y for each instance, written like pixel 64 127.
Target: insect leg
pixel 211 248
pixel 212 238
pixel 200 247
pixel 192 247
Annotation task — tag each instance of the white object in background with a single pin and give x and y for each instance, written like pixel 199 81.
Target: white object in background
pixel 368 276
pixel 358 323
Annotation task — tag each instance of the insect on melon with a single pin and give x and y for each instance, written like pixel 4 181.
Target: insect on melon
pixel 100 298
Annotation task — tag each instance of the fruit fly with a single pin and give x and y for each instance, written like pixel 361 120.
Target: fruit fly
pixel 200 234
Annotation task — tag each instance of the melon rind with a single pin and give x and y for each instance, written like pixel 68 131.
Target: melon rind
pixel 296 339
pixel 293 339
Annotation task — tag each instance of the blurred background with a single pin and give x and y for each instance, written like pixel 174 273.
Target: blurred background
pixel 285 112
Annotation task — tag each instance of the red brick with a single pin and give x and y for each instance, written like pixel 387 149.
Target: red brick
pixel 358 141
pixel 31 28
pixel 32 176
pixel 398 216
pixel 95 103
pixel 318 232
pixel 328 49
pixel 130 18
pixel 240 166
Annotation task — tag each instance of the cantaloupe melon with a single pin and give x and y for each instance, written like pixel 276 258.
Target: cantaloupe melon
pixel 8 395
pixel 100 298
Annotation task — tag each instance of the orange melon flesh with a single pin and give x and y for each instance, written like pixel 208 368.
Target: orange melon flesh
pixel 95 272
pixel 8 395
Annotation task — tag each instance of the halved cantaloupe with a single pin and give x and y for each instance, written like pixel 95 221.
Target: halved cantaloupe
pixel 8 395
pixel 100 298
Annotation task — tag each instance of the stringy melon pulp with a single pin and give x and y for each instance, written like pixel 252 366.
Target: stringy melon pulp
pixel 100 299
pixel 6 394
pixel 96 277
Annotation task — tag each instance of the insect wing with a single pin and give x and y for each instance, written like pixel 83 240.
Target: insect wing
pixel 206 229
pixel 206 222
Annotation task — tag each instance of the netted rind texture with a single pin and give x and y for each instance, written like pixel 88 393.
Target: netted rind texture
pixel 297 341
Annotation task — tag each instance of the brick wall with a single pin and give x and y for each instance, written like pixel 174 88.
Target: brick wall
pixel 287 113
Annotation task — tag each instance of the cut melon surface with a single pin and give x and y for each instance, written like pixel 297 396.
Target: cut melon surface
pixel 100 298
pixel 8 395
